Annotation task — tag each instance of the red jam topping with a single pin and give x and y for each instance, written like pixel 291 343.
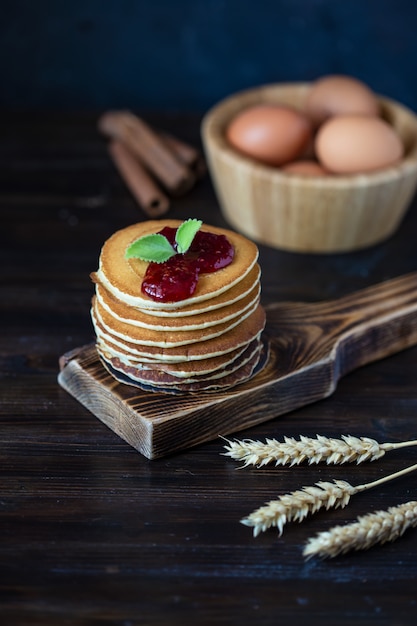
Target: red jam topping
pixel 174 280
pixel 177 278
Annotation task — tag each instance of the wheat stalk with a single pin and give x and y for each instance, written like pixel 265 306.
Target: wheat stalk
pixel 297 505
pixel 314 450
pixel 367 531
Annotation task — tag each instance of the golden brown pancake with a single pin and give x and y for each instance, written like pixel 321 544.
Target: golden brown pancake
pixel 123 277
pixel 136 317
pixel 169 338
pixel 231 296
pixel 238 336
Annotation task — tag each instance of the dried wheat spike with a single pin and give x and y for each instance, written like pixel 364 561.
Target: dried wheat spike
pixel 312 449
pixel 367 531
pixel 295 506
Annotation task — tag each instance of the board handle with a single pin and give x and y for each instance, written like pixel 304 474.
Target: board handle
pixel 372 323
pixel 355 329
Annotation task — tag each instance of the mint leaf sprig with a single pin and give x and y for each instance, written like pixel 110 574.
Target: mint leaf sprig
pixel 185 234
pixel 155 248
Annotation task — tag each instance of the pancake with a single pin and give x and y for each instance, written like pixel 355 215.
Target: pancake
pixel 234 294
pixel 157 376
pixel 240 376
pixel 168 338
pixel 231 378
pixel 184 369
pixel 136 317
pixel 236 337
pixel 211 340
pixel 163 379
pixel 123 277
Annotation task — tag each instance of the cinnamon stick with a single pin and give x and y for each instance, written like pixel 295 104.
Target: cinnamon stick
pixel 149 148
pixel 189 155
pixel 142 186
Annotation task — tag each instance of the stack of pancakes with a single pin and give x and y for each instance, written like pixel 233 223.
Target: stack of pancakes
pixel 209 341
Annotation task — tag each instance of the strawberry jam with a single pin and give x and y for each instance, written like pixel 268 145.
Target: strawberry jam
pixel 174 280
pixel 177 278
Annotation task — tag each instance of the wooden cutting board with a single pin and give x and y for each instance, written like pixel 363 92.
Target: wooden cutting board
pixel 311 347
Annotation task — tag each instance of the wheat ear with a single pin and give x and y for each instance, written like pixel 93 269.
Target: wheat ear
pixel 367 531
pixel 297 505
pixel 312 449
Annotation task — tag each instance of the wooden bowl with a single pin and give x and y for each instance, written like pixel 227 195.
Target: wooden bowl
pixel 308 214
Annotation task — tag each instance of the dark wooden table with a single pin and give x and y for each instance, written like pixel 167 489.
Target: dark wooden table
pixel 91 532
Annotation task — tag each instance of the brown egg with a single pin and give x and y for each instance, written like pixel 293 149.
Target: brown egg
pixel 339 95
pixel 349 144
pixel 271 134
pixel 305 168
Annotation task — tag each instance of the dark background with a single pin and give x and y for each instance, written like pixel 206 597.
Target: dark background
pixel 187 54
pixel 91 532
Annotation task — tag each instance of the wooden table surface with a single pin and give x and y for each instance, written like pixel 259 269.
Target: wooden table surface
pixel 94 533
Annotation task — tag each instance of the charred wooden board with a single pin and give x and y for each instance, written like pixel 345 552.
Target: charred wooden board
pixel 311 347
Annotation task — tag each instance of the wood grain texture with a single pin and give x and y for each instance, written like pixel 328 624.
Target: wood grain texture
pixel 310 348
pixel 308 214
pixel 93 533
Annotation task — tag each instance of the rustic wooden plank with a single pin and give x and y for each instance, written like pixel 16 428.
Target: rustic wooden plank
pixel 92 531
pixel 310 347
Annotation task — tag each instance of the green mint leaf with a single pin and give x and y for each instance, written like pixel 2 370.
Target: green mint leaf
pixel 152 248
pixel 186 233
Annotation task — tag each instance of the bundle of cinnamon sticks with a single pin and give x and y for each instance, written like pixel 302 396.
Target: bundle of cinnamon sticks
pixel 155 166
